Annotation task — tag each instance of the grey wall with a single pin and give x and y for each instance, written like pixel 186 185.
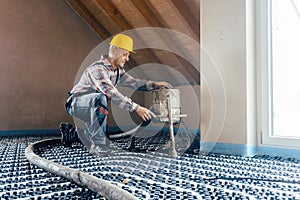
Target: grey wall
pixel 43 43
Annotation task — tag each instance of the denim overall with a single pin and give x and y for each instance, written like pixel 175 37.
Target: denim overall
pixel 92 110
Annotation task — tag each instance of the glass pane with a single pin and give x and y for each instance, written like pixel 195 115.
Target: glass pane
pixel 285 59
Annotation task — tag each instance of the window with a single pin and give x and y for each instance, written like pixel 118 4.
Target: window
pixel 278 72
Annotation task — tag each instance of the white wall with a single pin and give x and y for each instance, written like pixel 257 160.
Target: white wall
pixel 223 39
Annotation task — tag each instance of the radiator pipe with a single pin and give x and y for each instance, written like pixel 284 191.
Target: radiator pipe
pixel 100 186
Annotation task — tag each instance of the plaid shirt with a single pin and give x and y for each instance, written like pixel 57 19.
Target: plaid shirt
pixel 101 77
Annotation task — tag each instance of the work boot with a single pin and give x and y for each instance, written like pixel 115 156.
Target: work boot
pixel 100 149
pixel 69 134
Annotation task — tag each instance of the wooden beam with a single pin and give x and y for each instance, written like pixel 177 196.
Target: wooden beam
pixel 102 17
pixel 185 11
pixel 147 13
pixel 141 16
pixel 171 17
pixel 79 7
pixel 111 17
pixel 113 13
pixel 116 15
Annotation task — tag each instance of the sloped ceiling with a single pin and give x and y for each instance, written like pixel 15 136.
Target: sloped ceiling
pixel 109 17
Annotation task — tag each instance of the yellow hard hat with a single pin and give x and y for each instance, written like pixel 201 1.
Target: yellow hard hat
pixel 123 41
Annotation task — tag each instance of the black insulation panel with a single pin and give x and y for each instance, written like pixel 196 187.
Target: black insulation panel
pixel 147 174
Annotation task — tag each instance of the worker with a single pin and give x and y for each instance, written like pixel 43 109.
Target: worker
pixel 88 98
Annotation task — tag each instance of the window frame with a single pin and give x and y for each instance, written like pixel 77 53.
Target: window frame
pixel 264 82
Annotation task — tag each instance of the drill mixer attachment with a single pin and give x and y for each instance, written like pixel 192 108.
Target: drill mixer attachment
pixel 168 110
pixel 166 106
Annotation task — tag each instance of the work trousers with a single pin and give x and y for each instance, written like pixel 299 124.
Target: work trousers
pixel 92 110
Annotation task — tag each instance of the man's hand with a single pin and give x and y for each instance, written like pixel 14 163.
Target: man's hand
pixel 163 84
pixel 145 113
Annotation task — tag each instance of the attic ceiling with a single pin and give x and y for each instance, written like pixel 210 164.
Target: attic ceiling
pixel 182 56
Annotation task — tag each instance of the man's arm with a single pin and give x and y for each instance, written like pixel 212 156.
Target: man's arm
pixel 141 84
pixel 100 81
pixel 145 113
pixel 162 84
